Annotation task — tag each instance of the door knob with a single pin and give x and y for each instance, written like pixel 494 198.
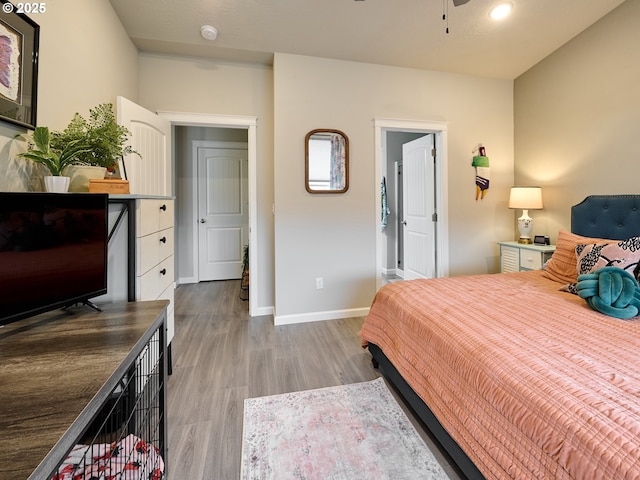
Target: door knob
pixel 404 222
pixel 202 220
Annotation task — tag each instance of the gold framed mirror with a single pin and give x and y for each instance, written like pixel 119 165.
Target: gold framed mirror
pixel 326 166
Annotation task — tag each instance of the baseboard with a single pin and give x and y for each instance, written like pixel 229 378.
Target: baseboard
pixel 260 311
pixel 318 316
pixel 182 280
pixel 393 272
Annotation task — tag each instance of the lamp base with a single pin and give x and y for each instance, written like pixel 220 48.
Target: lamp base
pixel 525 224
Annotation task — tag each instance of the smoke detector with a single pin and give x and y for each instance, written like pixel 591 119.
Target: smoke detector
pixel 208 32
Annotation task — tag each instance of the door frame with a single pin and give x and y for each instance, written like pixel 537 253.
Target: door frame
pixel 195 145
pixel 249 123
pixel 439 129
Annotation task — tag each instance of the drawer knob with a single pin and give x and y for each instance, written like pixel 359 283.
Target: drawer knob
pixel 163 271
pixel 163 239
pixel 163 207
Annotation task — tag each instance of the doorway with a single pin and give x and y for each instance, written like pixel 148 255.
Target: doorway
pixel 389 135
pixel 393 268
pixel 236 129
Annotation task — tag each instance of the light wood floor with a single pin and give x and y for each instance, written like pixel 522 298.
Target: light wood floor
pixel 222 356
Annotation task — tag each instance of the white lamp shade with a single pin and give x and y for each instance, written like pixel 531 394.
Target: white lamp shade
pixel 527 198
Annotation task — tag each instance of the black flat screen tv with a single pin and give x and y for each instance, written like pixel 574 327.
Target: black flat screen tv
pixel 53 251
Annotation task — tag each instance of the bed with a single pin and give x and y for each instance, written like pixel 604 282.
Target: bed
pixel 514 373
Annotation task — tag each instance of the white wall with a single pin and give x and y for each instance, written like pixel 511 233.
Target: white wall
pixel 333 236
pixel 86 59
pixel 577 118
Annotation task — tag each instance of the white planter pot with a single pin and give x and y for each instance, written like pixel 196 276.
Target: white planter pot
pixel 56 184
pixel 81 174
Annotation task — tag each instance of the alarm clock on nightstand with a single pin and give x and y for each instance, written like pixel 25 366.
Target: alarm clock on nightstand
pixel 541 240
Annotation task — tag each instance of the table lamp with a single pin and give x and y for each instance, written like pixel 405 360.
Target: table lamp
pixel 526 198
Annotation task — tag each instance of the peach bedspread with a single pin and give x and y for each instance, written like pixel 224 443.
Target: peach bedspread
pixel 529 381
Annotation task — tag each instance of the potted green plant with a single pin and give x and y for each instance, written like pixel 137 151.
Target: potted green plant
pixel 56 160
pixel 107 140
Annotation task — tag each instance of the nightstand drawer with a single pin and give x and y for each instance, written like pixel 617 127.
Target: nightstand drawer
pixel 510 259
pixel 530 260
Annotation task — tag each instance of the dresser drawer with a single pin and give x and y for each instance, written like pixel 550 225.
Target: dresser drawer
pixel 153 215
pixel 530 260
pixel 152 249
pixel 150 285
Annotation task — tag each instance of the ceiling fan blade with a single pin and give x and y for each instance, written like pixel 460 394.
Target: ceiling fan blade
pixel 457 3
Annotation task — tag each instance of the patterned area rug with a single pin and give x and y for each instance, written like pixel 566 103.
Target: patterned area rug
pixel 347 432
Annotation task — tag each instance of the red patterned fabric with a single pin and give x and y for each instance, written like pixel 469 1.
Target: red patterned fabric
pixel 128 459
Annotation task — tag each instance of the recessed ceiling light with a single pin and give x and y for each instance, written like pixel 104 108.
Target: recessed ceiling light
pixel 208 32
pixel 501 10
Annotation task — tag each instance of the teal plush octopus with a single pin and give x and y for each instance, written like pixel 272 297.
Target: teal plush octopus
pixel 612 291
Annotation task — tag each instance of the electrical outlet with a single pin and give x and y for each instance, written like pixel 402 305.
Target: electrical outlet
pixel 319 283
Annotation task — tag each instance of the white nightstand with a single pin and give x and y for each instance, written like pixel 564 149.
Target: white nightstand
pixel 516 256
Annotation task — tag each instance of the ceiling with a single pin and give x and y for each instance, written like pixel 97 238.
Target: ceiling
pixel 404 33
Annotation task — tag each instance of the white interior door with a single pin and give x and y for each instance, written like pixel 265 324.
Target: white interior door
pixel 223 203
pixel 418 207
pixel 149 173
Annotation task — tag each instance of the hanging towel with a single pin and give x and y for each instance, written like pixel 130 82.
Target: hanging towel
pixel 385 208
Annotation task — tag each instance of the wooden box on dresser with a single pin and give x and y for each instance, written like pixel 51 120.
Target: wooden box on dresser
pixel 141 261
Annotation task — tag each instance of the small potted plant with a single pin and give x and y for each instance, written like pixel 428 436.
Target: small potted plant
pixel 56 160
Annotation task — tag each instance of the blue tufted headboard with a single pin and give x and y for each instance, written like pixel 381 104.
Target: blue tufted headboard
pixel 607 216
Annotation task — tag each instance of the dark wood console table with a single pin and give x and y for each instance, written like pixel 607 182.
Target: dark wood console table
pixel 57 370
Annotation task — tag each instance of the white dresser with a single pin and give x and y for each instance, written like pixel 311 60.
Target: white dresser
pixel 141 261
pixel 155 278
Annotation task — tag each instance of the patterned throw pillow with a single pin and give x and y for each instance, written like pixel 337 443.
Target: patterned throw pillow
pixel 624 254
pixel 563 264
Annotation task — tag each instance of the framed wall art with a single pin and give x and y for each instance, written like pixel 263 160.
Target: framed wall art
pixel 19 42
